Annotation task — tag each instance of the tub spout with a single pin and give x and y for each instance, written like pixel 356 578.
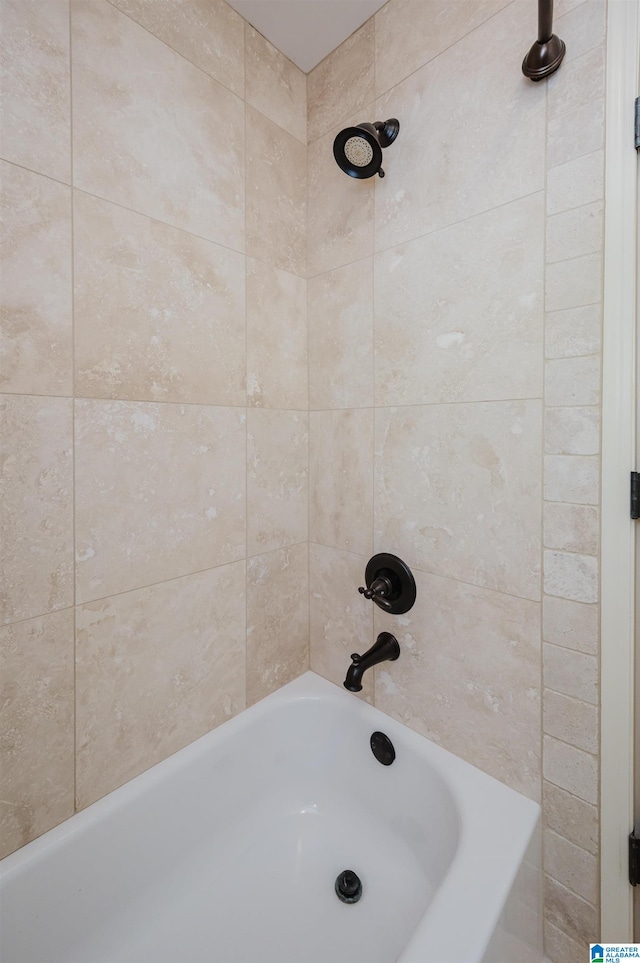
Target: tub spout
pixel 384 649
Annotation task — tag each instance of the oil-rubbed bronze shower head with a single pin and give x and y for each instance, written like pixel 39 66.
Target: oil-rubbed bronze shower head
pixel 358 150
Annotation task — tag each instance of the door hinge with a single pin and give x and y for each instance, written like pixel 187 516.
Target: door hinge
pixel 634 495
pixel 636 125
pixel 634 859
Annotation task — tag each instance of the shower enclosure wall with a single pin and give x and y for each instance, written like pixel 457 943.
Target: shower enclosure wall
pixel 162 410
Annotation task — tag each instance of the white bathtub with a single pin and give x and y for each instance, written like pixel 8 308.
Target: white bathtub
pixel 228 852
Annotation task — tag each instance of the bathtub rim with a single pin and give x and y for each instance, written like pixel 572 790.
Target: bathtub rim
pixel 481 901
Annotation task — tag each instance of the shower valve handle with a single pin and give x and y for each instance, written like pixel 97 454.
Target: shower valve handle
pixel 379 588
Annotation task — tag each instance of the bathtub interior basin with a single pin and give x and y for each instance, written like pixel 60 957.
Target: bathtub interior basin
pixel 228 852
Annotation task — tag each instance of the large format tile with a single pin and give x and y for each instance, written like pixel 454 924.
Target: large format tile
pixel 409 34
pixel 458 491
pixel 477 654
pixel 156 669
pixel 35 80
pixel 341 619
pixel 277 371
pixel 36 718
pixel 36 520
pixel 159 313
pixel 448 326
pixel 340 479
pixel 151 131
pixel 274 85
pixel 434 177
pixel 209 33
pixel 160 492
pixel 277 619
pixel 277 478
pixel 276 195
pixel 340 214
pixel 343 82
pixel 341 337
pixel 37 352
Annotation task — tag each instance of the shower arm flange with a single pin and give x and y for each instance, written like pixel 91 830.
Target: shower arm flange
pixel 547 52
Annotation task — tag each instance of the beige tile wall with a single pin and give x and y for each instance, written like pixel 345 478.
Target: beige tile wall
pixel 481 332
pixel 155 406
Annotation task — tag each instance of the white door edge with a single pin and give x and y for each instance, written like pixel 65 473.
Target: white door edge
pixel 618 459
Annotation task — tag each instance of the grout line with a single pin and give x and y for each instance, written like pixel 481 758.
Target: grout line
pixel 73 425
pixel 183 575
pixel 573 158
pixel 569 792
pixel 216 80
pixel 308 357
pixel 156 220
pixel 564 789
pixel 449 578
pixel 564 742
pixel 246 379
pixel 38 615
pixel 565 886
pixel 583 702
pixel 141 588
pixel 564 648
pixel 550 829
pixel 383 93
pixel 182 56
pixel 32 170
pixel 306 275
pixel 135 211
pixel 392 406
pixel 345 551
pixel 588 255
pixel 401 242
pixel 545 268
pixel 151 401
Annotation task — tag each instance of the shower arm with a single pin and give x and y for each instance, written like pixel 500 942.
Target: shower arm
pixel 545 20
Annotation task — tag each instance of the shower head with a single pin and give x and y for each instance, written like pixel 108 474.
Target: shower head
pixel 358 150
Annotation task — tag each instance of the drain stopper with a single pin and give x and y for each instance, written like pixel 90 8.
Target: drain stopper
pixel 348 886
